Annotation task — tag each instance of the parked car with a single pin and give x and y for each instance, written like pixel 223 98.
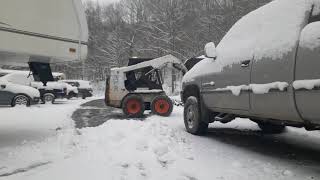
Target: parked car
pixel 266 68
pixel 84 87
pixel 48 93
pixel 14 94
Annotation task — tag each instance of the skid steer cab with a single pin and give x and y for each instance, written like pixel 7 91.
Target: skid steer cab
pixel 138 87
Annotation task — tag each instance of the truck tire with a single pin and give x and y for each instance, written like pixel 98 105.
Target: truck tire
pixel 270 128
pixel 48 98
pixel 22 100
pixel 162 106
pixel 133 106
pixel 192 117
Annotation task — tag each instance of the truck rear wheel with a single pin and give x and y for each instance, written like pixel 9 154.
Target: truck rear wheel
pixel 162 106
pixel 193 118
pixel 133 106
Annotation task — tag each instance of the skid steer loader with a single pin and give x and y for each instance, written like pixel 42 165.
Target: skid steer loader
pixel 138 87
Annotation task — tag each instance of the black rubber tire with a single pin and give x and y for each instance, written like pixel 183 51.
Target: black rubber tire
pixel 154 109
pixel 14 103
pixel 126 106
pixel 192 117
pixel 44 97
pixel 270 128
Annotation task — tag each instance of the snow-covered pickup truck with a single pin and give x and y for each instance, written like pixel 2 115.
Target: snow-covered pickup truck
pixel 266 68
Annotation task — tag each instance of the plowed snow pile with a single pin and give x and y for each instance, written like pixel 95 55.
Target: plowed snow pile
pixel 159 148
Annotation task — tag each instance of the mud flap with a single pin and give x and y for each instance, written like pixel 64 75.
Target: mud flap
pixel 41 72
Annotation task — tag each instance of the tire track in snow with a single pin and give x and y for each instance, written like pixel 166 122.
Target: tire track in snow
pixel 26 169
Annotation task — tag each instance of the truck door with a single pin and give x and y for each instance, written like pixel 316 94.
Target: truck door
pixel 223 89
pixel 273 69
pixel 307 84
pixel 271 96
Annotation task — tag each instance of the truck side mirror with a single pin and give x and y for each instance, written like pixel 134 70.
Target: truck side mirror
pixel 210 50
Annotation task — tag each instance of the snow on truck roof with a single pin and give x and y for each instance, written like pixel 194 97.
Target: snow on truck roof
pixel 271 31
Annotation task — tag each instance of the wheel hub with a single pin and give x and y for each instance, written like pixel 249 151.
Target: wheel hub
pixel 190 117
pixel 21 100
pixel 133 106
pixel 48 98
pixel 162 106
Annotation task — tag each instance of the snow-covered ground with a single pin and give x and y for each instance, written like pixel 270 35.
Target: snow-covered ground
pixel 35 135
pixel 153 148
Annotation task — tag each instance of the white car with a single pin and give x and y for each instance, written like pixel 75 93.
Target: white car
pixel 48 93
pixel 15 94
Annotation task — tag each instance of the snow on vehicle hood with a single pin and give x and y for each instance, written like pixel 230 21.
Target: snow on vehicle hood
pixel 271 31
pixel 50 85
pixel 83 84
pixel 71 89
pixel 20 89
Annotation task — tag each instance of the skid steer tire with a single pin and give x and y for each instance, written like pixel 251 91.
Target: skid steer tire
pixel 133 106
pixel 162 106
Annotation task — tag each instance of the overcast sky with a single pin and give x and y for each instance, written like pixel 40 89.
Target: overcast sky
pixel 103 1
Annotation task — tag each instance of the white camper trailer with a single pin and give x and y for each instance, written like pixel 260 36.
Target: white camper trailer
pixel 40 32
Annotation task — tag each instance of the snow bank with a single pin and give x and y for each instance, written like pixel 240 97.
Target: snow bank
pixel 37 135
pixel 99 88
pixel 310 36
pixel 159 148
pixel 306 84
